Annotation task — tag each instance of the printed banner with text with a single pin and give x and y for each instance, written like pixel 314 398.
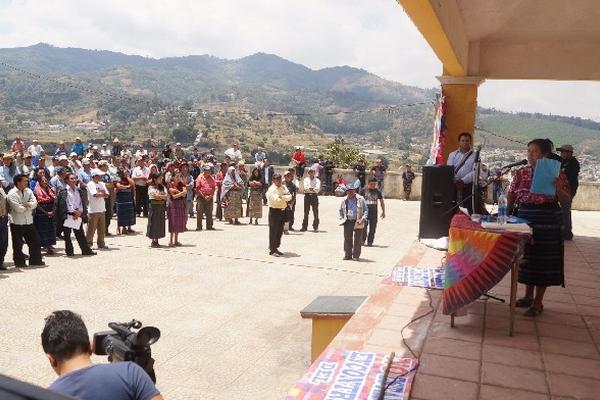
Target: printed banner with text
pixel 355 375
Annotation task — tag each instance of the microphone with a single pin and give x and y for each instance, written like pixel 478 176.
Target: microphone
pixel 515 164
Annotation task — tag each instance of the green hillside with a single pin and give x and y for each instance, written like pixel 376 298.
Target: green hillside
pixel 150 97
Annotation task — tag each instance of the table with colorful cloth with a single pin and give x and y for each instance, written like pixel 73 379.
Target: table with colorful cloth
pixel 477 260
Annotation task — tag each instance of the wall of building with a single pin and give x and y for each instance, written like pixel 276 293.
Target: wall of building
pixel 587 199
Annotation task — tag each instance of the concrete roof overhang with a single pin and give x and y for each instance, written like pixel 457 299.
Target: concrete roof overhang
pixel 512 39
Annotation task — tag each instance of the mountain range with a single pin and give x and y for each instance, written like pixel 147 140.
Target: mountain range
pixel 53 82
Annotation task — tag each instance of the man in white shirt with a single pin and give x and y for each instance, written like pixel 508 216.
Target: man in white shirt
pixel 22 203
pixel 35 149
pixel 234 153
pixel 140 152
pixel 312 187
pixel 462 160
pixel 105 152
pixel 140 177
pixel 97 192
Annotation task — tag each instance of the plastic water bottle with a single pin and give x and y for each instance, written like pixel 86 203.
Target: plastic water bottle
pixel 502 209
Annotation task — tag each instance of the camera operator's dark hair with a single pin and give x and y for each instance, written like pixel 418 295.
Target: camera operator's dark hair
pixel 65 335
pixel 542 144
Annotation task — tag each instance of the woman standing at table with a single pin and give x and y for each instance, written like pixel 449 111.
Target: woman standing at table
pixel 543 262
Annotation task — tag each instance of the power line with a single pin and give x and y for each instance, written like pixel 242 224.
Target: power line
pixel 478 128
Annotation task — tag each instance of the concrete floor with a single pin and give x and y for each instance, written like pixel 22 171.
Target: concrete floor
pixel 228 312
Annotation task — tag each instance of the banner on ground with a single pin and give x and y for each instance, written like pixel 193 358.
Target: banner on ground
pixel 430 278
pixel 355 375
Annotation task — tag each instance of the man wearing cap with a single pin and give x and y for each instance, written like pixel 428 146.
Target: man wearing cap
pixel 278 197
pixel 104 151
pixel 58 181
pixel 353 213
pixel 140 176
pixel 205 189
pixel 97 192
pixel 312 187
pixel 35 149
pixel 78 147
pixel 22 203
pixel 85 174
pixel 140 152
pixel 27 165
pixel 179 152
pixel 8 170
pixel 570 167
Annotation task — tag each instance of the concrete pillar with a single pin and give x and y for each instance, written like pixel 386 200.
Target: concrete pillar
pixel 461 107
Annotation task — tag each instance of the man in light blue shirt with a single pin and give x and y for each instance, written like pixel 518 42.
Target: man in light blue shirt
pixel 353 213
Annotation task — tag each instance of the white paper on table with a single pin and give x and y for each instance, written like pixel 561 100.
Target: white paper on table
pixel 72 223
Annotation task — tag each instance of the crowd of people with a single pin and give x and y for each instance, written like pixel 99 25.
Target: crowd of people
pixel 79 189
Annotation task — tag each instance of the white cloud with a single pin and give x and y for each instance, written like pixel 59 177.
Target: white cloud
pixel 375 35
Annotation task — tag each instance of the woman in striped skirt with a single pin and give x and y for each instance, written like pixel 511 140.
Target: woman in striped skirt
pixel 157 193
pixel 43 219
pixel 125 202
pixel 176 209
pixel 543 262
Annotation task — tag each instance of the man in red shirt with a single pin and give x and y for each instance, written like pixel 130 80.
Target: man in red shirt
pixel 205 190
pixel 299 162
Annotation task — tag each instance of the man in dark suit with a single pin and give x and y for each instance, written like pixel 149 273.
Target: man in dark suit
pixel 266 175
pixel 72 201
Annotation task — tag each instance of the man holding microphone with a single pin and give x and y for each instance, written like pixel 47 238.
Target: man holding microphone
pixel 277 198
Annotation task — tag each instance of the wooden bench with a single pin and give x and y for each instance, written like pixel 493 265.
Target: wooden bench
pixel 329 314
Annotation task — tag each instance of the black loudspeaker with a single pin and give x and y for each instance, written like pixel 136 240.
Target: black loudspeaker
pixel 437 201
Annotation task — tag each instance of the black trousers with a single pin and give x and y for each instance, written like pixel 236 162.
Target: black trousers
pixel 141 200
pixel 30 235
pixel 352 239
pixel 311 200
pixel 371 226
pixel 81 240
pixel 276 221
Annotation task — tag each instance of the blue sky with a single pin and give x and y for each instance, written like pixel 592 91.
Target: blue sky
pixel 372 34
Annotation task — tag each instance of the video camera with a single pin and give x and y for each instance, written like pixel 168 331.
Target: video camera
pixel 123 344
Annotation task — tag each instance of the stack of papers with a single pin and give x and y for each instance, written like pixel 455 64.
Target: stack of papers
pixel 521 228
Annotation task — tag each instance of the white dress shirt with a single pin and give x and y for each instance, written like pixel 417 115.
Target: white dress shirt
pixel 465 172
pixel 312 185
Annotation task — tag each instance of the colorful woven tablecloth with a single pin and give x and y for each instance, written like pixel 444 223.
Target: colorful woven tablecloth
pixel 477 260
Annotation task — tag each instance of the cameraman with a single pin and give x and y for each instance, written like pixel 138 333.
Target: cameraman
pixel 67 345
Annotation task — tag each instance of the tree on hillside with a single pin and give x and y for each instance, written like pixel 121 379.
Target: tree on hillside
pixel 343 156
pixel 185 134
